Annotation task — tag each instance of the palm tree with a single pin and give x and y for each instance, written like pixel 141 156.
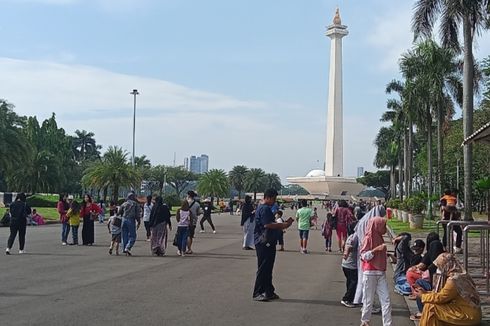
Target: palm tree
pixel 254 181
pixel 436 72
pixel 387 154
pixel 471 15
pixel 112 171
pixel 159 175
pixel 84 145
pixel 214 183
pixel 237 178
pixel 272 181
pixel 432 74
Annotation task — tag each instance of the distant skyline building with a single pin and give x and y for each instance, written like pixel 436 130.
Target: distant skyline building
pixel 186 163
pixel 199 164
pixel 360 171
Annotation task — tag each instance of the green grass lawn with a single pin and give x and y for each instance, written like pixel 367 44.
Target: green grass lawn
pixel 50 214
pixel 429 226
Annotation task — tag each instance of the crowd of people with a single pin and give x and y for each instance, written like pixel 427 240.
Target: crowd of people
pixel 443 290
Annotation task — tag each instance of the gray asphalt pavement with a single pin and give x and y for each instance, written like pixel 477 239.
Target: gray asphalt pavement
pixel 77 285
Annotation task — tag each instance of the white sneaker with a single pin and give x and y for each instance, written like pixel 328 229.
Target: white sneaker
pixel 214 231
pixel 202 231
pixel 7 251
pixel 63 243
pixel 22 252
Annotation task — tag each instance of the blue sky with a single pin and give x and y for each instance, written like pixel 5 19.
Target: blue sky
pixel 242 81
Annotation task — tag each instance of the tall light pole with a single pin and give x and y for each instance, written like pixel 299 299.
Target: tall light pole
pixel 134 93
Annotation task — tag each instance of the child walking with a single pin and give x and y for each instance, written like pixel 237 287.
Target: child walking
pixel 73 216
pixel 349 266
pixel 115 229
pixel 374 261
pixel 183 221
pixel 280 233
pixel 327 230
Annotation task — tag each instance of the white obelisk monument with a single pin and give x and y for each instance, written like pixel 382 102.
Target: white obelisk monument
pixel 331 181
pixel 334 153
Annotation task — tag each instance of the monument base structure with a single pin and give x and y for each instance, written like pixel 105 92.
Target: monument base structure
pixel 336 188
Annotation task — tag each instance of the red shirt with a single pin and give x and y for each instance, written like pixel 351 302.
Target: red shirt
pixel 93 208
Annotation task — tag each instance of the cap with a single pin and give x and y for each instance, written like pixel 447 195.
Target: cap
pixel 418 244
pixel 70 197
pixel 207 200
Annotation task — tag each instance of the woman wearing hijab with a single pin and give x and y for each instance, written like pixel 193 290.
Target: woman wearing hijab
pixel 455 300
pixel 360 230
pixel 374 260
pixel 158 224
pixel 248 223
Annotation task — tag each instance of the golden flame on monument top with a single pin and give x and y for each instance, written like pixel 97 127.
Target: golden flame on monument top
pixel 336 18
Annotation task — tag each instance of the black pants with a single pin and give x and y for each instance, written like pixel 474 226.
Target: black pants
pixel 266 256
pixel 207 218
pixel 350 284
pixel 280 237
pixel 88 231
pixel 17 226
pixel 147 227
pixel 459 236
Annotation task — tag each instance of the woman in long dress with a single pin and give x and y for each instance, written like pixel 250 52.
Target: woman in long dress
pixel 248 223
pixel 159 224
pixel 455 300
pixel 89 212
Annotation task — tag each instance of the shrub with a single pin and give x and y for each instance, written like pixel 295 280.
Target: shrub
pixel 403 206
pixel 415 204
pixel 172 200
pixel 393 203
pixel 42 201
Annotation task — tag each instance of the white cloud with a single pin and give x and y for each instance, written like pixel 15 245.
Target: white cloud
pixel 38 87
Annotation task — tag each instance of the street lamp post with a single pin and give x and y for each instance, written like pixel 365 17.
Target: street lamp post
pixel 134 93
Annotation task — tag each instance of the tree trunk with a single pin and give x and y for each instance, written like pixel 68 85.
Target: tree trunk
pixel 104 193
pixel 400 172
pixel 115 193
pixel 429 163
pixel 440 162
pixel 468 116
pixel 406 162
pixel 392 182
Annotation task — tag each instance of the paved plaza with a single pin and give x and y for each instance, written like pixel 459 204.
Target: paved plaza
pixel 77 285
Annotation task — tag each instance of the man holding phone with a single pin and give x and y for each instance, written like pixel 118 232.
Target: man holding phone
pixel 265 238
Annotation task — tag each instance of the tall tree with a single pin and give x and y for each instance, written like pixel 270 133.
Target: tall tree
pixel 237 178
pixel 158 174
pixel 13 146
pixel 85 146
pixel 214 183
pixel 254 181
pixel 179 178
pixel 387 154
pixel 272 181
pixel 112 171
pixel 471 16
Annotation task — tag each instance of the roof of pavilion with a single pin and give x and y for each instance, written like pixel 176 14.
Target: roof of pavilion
pixel 482 134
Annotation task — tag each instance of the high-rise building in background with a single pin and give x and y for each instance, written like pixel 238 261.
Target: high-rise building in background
pixel 203 163
pixel 360 171
pixel 186 163
pixel 199 164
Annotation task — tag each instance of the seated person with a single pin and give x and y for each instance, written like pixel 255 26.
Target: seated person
pixel 38 219
pixel 6 218
pixel 421 275
pixel 454 301
pixel 405 255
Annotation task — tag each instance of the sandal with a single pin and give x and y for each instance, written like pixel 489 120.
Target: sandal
pixel 415 317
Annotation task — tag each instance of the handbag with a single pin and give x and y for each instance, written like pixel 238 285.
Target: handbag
pixel 175 242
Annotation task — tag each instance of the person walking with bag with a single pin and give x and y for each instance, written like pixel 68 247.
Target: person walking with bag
pixel 18 223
